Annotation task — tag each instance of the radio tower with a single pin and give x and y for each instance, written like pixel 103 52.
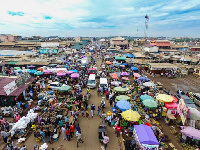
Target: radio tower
pixel 146 26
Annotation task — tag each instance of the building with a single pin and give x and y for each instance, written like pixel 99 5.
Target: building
pixel 150 48
pixel 49 48
pixel 194 49
pixel 119 41
pixel 162 44
pixel 159 68
pixel 9 37
pixel 78 39
pixel 180 47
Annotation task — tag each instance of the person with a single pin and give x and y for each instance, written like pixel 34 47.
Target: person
pixel 87 114
pixel 68 134
pixel 118 130
pixel 23 147
pixel 103 116
pixel 78 128
pixel 9 144
pixel 82 110
pixel 99 110
pixel 92 109
pixel 64 133
pixel 105 140
pixel 88 90
pixel 33 127
pixel 4 135
pixel 79 139
pixel 49 136
pixel 42 135
pixel 17 117
pixel 72 130
pixel 60 123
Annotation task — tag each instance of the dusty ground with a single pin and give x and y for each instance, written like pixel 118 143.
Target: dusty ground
pixel 89 130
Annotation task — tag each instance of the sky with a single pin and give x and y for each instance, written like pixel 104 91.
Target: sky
pixel 171 18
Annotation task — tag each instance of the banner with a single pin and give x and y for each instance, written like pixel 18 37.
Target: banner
pixel 9 88
pixel 182 110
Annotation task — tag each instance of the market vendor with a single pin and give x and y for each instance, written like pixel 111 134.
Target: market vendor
pixel 17 117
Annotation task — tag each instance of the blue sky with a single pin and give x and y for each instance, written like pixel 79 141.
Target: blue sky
pixel 173 18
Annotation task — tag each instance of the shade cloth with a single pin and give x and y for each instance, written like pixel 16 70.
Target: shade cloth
pixel 145 135
pixel 191 132
pixel 171 105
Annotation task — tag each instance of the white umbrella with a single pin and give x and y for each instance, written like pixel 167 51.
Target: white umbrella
pixel 148 84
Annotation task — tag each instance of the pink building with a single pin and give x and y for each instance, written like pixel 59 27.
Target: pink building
pixel 7 38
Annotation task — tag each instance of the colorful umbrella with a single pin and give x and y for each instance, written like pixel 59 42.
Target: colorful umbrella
pixel 125 78
pixel 120 89
pixel 137 75
pixel 130 115
pixel 148 84
pixel 114 76
pixel 32 71
pixel 143 79
pixel 108 63
pixel 116 83
pixel 60 74
pixel 38 73
pixel 134 68
pixel 48 71
pixel 122 97
pixel 111 66
pixel 76 71
pixel 164 98
pixel 124 73
pixel 143 97
pixel 64 88
pixel 123 105
pixel 69 72
pixel 75 75
pixel 149 103
pixel 124 64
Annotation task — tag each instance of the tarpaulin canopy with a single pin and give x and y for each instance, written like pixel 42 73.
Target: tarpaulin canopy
pixel 191 132
pixel 137 75
pixel 164 98
pixel 134 68
pixel 120 58
pixel 143 97
pixel 193 114
pixel 123 105
pixel 124 74
pixel 149 103
pixel 122 97
pixel 75 75
pixel 120 89
pixel 130 115
pixel 143 79
pixel 171 105
pixel 145 135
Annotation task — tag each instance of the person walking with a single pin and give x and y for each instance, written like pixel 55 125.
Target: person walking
pixel 87 114
pixel 79 139
pixel 42 135
pixel 68 132
pixel 92 110
pixel 72 130
pixel 105 140
pixel 99 110
pixel 64 133
pixel 118 130
pixel 4 135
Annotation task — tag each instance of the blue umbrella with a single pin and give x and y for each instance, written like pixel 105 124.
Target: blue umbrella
pixel 111 66
pixel 124 64
pixel 65 66
pixel 134 68
pixel 76 71
pixel 143 79
pixel 123 105
pixel 32 71
pixel 129 55
pixel 143 97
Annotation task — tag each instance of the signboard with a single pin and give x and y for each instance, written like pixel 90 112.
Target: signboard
pixel 9 88
pixel 49 44
pixel 182 110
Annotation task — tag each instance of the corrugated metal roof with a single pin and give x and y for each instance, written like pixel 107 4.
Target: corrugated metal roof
pixel 4 81
pixel 12 62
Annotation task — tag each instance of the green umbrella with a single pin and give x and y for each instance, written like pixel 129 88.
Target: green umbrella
pixel 119 89
pixel 64 88
pixel 122 97
pixel 38 73
pixel 149 103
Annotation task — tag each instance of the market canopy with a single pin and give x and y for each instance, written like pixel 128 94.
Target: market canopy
pixel 108 63
pixel 149 103
pixel 129 55
pixel 64 88
pixel 171 105
pixel 148 84
pixel 120 89
pixel 193 114
pixel 120 58
pixel 48 71
pixel 122 97
pixel 114 76
pixel 75 75
pixel 145 135
pixel 38 73
pixel 116 83
pixel 143 79
pixel 191 132
pixel 124 74
pixel 143 97
pixel 76 71
pixel 69 72
pixel 134 68
pixel 137 75
pixel 31 71
pixel 164 98
pixel 130 115
pixel 123 105
pixel 60 74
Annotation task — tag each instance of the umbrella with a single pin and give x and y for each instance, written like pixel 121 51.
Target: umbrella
pixel 124 73
pixel 75 75
pixel 111 66
pixel 32 71
pixel 119 89
pixel 149 103
pixel 52 109
pixel 174 99
pixel 31 66
pixel 47 71
pixel 82 56
pixel 123 105
pixel 69 72
pixel 76 71
pixel 143 79
pixel 137 75
pixel 143 97
pixel 64 88
pixel 60 74
pixel 191 132
pixel 116 83
pixel 125 78
pixel 39 121
pixel 148 84
pixel 38 73
pixel 108 63
pixel 134 68
pixel 124 64
pixel 118 74
pixel 60 71
pixel 130 115
pixel 193 114
pixel 114 76
pixel 122 97
pixel 164 98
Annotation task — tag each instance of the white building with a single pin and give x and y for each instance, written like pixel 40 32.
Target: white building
pixel 150 48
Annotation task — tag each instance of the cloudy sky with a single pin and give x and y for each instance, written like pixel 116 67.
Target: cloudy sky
pixel 172 18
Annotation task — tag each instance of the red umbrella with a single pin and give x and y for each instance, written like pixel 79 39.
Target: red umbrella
pixel 114 76
pixel 148 124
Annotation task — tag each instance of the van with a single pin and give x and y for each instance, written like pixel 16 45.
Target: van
pixel 103 82
pixel 91 81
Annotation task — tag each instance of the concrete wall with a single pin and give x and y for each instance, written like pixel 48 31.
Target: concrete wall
pixel 151 49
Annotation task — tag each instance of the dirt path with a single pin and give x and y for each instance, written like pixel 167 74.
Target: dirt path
pixel 89 129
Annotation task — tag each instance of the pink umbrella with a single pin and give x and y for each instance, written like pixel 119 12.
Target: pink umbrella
pixel 39 121
pixel 75 75
pixel 47 71
pixel 69 72
pixel 125 78
pixel 60 74
pixel 52 109
pixel 124 73
pixel 137 75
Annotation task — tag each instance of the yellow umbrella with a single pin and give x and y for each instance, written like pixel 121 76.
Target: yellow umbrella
pixel 164 98
pixel 130 115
